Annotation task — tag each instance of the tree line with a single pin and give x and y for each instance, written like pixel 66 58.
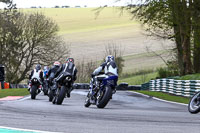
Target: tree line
pixel 26 40
pixel 176 20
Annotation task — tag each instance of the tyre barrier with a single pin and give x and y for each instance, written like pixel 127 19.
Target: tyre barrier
pixel 186 88
pixel 122 86
pixel 81 86
pixel 18 86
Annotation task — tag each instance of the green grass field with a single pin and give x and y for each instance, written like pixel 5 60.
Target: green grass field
pixel 13 92
pixel 138 79
pixel 87 35
pixel 166 96
pixel 72 20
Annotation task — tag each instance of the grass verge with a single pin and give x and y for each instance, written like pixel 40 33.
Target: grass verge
pixel 138 79
pixel 166 96
pixel 190 77
pixel 13 92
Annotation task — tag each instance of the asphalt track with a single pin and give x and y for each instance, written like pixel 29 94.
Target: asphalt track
pixel 126 113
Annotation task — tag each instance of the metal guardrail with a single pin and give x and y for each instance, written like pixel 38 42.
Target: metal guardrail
pixel 185 88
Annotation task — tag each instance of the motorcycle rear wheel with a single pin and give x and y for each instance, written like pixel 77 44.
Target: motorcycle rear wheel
pixel 105 97
pixel 61 95
pixel 194 104
pixel 33 92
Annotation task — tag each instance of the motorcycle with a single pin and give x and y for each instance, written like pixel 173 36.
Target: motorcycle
pixel 104 87
pixel 35 87
pixel 64 87
pixel 194 104
pixel 51 94
pixel 45 87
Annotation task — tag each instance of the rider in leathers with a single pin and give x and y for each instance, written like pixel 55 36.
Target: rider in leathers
pixel 70 67
pixel 36 73
pixel 110 69
pixel 52 71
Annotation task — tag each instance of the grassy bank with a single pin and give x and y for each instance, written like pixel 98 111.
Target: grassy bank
pixel 166 96
pixel 13 92
pixel 138 79
pixel 190 77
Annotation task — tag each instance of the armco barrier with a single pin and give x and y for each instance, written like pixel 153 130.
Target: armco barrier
pixel 185 88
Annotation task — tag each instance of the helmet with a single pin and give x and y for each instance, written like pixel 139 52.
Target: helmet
pixel 70 60
pixel 110 58
pixel 46 68
pixel 56 63
pixel 38 67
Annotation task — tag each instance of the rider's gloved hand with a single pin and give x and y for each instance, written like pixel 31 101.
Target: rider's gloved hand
pixel 92 75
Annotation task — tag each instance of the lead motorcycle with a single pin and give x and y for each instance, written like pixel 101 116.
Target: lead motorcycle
pixel 64 86
pixel 104 87
pixel 35 87
pixel 194 104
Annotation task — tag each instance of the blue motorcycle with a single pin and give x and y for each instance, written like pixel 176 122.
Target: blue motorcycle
pixel 101 91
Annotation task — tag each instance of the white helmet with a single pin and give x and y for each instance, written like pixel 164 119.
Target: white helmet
pixel 109 58
pixel 56 63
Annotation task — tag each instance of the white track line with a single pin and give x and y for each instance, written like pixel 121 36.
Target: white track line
pixel 19 129
pixel 155 98
pixel 25 98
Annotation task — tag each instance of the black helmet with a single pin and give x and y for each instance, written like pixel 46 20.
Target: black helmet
pixel 38 67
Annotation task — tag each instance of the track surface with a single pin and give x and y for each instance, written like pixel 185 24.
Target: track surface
pixel 126 113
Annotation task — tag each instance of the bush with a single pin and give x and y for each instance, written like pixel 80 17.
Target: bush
pixel 171 70
pixel 85 70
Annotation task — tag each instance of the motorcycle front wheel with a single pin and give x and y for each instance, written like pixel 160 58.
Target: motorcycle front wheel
pixel 45 91
pixel 50 96
pixel 194 104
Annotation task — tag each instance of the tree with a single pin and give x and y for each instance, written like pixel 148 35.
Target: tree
pixel 196 35
pixel 6 1
pixel 85 69
pixel 170 19
pixel 28 39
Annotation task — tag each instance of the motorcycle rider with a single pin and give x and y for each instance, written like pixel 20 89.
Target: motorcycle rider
pixel 45 83
pixel 36 73
pixel 70 67
pixel 52 71
pixel 46 70
pixel 110 69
